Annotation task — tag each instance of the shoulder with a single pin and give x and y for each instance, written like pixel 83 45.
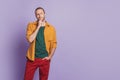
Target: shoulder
pixel 32 23
pixel 50 26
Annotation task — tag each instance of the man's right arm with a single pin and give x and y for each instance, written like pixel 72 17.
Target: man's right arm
pixel 31 35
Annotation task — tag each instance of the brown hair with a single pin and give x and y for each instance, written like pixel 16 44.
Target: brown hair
pixel 39 8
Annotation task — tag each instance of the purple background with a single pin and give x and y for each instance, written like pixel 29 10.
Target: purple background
pixel 88 34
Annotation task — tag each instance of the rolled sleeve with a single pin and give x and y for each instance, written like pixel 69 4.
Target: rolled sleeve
pixel 28 31
pixel 54 38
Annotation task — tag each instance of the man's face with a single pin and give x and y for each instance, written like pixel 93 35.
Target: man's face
pixel 40 15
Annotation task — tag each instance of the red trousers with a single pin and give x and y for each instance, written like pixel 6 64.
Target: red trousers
pixel 31 67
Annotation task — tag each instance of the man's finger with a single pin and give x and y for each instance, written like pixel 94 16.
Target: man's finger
pixel 43 58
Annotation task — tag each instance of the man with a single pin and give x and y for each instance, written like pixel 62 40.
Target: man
pixel 42 39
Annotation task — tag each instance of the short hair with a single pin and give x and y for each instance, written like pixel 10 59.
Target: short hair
pixel 39 8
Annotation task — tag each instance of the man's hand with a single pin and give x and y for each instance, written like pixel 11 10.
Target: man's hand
pixel 41 23
pixel 50 56
pixel 46 58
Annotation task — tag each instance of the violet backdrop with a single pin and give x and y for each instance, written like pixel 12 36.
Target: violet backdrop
pixel 88 34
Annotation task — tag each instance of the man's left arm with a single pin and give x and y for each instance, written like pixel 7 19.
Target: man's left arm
pixel 54 45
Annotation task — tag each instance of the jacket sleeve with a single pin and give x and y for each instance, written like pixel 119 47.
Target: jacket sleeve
pixel 54 41
pixel 28 31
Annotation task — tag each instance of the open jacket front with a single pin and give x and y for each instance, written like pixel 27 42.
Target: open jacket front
pixel 49 35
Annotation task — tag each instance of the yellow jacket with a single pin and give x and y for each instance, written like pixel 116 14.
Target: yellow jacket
pixel 49 35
